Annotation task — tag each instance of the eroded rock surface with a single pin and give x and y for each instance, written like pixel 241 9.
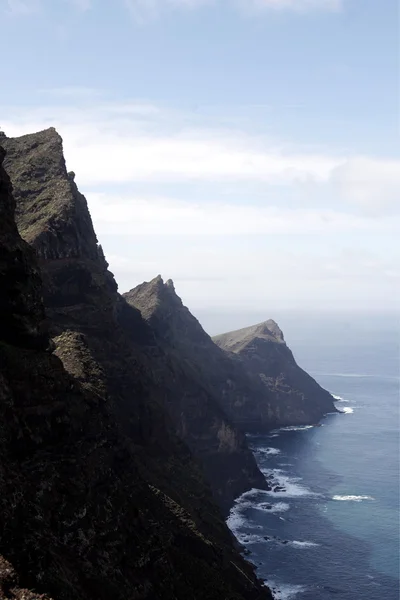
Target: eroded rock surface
pixel 100 499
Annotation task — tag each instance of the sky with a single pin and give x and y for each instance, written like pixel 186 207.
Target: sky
pixel 247 149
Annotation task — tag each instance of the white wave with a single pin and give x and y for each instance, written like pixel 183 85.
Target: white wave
pixel 274 435
pixel 285 464
pixel 285 591
pixel 279 507
pixel 339 398
pixel 347 410
pixel 355 375
pixel 290 485
pixel 250 538
pixel 266 451
pixel 236 519
pixel 353 498
pixel 297 544
pixel 296 428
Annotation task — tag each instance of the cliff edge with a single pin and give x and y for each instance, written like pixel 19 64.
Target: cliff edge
pixel 295 397
pixel 100 498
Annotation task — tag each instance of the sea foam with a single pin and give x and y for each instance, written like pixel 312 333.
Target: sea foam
pixel 338 398
pixel 296 428
pixel 297 544
pixel 353 498
pixel 266 451
pixel 285 591
pixel 291 485
pixel 278 507
pixel 236 519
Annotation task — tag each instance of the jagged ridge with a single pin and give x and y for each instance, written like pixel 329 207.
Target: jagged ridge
pixel 250 372
pixel 99 498
pixel 196 410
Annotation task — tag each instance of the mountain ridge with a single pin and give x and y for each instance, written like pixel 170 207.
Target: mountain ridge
pixel 100 499
pixel 254 398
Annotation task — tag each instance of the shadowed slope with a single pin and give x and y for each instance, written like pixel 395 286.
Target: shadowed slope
pixel 99 498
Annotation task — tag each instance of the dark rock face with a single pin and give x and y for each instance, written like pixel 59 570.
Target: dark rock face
pixel 251 373
pixel 21 307
pixel 295 397
pixel 241 396
pixel 195 408
pixel 9 585
pixel 80 295
pixel 99 498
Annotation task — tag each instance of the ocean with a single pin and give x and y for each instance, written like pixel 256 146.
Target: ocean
pixel 333 531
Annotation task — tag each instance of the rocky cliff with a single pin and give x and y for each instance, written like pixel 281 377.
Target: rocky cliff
pixel 100 499
pixel 255 379
pixel 103 340
pixel 196 410
pixel 296 397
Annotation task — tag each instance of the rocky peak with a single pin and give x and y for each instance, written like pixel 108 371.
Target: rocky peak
pixel 274 328
pixel 83 434
pixel 294 396
pixel 51 213
pixel 156 299
pixel 236 341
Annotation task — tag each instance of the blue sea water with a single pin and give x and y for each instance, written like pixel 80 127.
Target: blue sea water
pixel 334 530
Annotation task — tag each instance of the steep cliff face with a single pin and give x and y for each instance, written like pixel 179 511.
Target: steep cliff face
pixel 99 498
pixel 195 409
pixel 267 391
pixel 296 397
pixel 21 307
pixel 122 354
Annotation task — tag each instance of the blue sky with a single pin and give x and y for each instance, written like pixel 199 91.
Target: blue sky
pixel 247 149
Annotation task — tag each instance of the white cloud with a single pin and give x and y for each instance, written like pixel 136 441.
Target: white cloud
pixel 242 251
pixel 137 142
pixel 133 143
pixel 166 216
pixel 372 184
pixel 256 273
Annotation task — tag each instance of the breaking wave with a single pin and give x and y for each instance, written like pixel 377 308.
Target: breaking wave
pixel 285 591
pixel 353 498
pixel 290 485
pixel 338 398
pixel 296 428
pixel 297 544
pixel 266 451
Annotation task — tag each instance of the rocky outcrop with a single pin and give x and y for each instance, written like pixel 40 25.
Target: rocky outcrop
pixel 88 316
pixel 21 307
pixel 296 398
pixel 99 499
pixel 258 394
pixel 195 407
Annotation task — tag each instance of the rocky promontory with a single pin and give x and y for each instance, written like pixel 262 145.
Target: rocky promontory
pixel 295 398
pixel 251 373
pixel 100 497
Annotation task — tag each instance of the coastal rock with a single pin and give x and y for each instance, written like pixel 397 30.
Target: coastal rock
pixel 100 498
pixel 251 373
pixel 295 398
pixel 196 410
pixel 80 295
